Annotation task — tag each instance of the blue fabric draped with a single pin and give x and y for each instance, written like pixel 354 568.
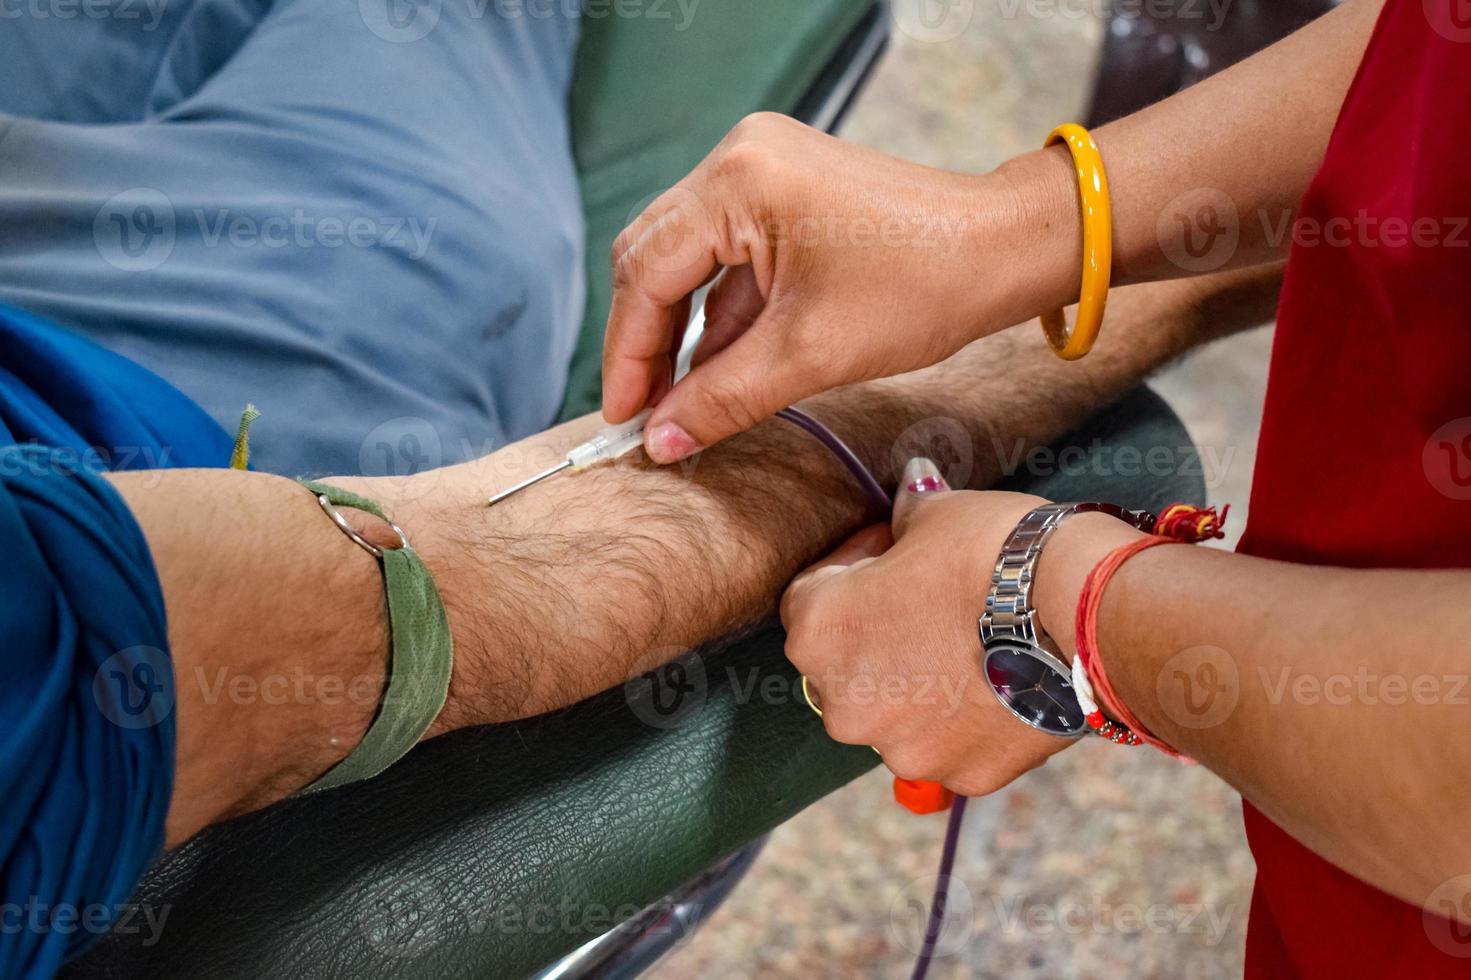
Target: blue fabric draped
pixel 86 726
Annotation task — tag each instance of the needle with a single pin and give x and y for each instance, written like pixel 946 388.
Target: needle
pixel 530 482
pixel 610 443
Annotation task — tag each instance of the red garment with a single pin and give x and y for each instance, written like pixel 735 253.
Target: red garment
pixel 1365 456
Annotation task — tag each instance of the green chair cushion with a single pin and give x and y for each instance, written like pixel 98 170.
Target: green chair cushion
pixel 650 100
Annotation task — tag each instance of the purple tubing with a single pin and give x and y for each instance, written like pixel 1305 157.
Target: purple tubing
pixel 881 502
pixel 828 438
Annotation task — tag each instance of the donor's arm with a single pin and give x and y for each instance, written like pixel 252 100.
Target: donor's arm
pixel 563 590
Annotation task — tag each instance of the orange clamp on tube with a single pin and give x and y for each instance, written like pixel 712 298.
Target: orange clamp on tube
pixel 922 796
pixel 1097 246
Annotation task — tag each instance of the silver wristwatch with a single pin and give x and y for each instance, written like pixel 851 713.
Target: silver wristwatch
pixel 1021 663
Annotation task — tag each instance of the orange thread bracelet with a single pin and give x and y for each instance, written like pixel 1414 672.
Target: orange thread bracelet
pixel 1180 524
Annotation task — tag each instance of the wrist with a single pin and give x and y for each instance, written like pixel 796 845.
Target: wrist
pixel 1078 544
pixel 1029 239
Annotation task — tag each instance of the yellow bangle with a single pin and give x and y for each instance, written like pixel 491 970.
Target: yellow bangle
pixel 1097 246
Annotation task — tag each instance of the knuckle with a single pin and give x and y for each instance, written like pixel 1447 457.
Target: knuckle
pixel 845 726
pixel 976 782
pixel 803 648
pixel 751 159
pixel 625 261
pixel 755 125
pixel 906 762
pixel 730 403
pixel 622 245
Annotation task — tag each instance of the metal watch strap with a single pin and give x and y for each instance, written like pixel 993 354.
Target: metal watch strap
pixel 1009 611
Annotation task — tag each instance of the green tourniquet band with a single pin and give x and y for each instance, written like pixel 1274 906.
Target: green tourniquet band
pixel 420 658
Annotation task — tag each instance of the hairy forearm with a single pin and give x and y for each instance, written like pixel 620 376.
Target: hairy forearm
pixel 601 573
pixel 277 622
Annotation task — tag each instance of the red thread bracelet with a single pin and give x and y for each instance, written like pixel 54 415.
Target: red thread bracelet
pixel 1180 524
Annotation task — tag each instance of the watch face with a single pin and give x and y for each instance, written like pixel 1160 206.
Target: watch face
pixel 1035 686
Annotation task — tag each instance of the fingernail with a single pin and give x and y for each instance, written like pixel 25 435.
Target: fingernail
pixel 921 475
pixel 668 443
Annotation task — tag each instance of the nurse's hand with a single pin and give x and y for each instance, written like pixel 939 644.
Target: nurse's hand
pixel 843 264
pixel 886 630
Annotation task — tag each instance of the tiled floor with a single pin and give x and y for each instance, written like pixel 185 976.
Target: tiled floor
pixel 1104 863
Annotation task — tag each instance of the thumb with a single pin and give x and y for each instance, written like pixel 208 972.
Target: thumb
pixel 922 480
pixel 729 392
